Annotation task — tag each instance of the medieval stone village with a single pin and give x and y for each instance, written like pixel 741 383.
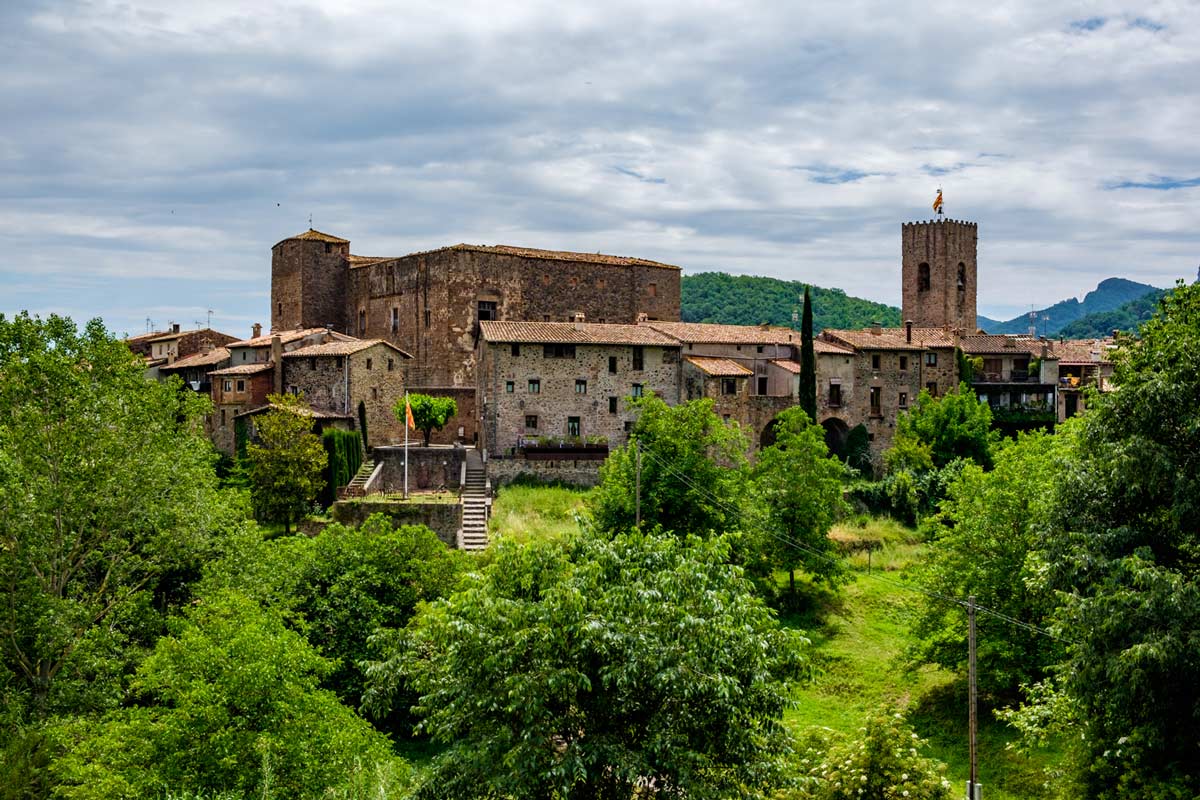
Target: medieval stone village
pixel 542 350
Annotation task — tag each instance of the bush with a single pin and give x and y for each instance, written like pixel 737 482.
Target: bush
pixel 345 449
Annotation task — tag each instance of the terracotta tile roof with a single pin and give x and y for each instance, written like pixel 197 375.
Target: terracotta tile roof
pixel 315 413
pixel 573 333
pixel 284 337
pixel 214 356
pixel 789 365
pixel 246 369
pixel 144 337
pixel 720 367
pixel 822 346
pixel 523 252
pixel 340 348
pixel 1082 351
pixel 311 235
pixel 999 344
pixel 706 333
pixel 865 339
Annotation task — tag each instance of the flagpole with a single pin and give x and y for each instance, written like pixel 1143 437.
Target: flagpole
pixel 406 413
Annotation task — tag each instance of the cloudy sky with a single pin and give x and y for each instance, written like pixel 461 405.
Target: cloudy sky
pixel 151 152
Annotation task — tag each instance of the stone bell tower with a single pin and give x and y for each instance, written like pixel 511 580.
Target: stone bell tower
pixel 938 273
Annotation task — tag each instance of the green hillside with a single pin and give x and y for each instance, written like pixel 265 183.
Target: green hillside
pixel 1109 295
pixel 1128 318
pixel 752 300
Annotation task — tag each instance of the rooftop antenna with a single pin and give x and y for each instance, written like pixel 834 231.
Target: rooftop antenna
pixel 310 227
pixel 209 323
pixel 149 325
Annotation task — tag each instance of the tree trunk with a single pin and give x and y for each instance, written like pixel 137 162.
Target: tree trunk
pixel 792 580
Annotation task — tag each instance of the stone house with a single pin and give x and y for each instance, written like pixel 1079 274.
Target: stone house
pixel 336 376
pixel 163 348
pixel 568 383
pixel 1082 363
pixel 194 370
pixel 236 389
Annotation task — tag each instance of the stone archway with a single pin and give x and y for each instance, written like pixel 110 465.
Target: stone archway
pixel 767 437
pixel 836 433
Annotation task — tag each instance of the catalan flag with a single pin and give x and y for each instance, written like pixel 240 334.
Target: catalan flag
pixel 408 414
pixel 937 202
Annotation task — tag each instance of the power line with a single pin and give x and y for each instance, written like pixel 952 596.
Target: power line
pixel 874 576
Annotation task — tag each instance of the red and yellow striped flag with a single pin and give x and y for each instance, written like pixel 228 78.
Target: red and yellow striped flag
pixel 937 203
pixel 408 414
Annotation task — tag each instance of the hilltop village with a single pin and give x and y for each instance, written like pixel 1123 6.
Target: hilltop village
pixel 541 350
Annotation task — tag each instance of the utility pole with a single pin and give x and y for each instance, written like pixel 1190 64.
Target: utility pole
pixel 638 485
pixel 973 780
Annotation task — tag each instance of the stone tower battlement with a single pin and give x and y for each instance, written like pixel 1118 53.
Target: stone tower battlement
pixel 939 273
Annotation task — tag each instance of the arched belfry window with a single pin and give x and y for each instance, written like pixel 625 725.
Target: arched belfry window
pixel 923 277
pixel 962 276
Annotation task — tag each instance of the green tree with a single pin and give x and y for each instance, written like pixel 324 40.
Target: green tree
pixel 883 762
pixel 983 543
pixel 858 450
pixel 797 488
pixel 953 426
pixel 429 413
pixel 590 667
pixel 228 702
pixel 1123 552
pixel 692 471
pixel 287 463
pixel 107 485
pixel 808 361
pixel 968 366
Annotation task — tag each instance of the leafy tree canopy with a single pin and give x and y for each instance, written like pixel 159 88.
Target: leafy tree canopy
pixel 955 425
pixel 287 462
pixel 692 466
pixel 107 485
pixel 753 300
pixel 429 413
pixel 589 667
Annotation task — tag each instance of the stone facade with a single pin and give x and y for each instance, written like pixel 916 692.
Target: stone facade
pixel 428 467
pixel 430 304
pixel 938 268
pixel 234 391
pixel 541 386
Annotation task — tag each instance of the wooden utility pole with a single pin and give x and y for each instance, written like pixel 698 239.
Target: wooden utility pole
pixel 638 486
pixel 973 780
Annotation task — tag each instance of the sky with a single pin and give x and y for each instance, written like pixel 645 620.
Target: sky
pixel 151 153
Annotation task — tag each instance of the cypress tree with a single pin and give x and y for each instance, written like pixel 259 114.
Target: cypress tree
pixel 808 361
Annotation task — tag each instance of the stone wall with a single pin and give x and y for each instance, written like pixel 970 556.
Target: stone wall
pixel 558 399
pixel 444 519
pixel 892 382
pixel 577 473
pixel 308 284
pixel 428 467
pixel 378 387
pixel 942 245
pixel 321 379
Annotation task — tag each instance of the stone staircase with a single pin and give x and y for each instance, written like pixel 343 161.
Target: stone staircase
pixel 475 505
pixel 357 484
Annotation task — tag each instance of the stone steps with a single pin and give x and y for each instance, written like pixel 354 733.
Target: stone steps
pixel 475 505
pixel 355 487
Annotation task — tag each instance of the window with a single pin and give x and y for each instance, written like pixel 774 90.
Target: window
pixel 580 386
pixel 243 355
pixel 628 425
pixel 612 364
pixel 652 290
pixel 279 309
pixel 535 386
pixel 612 405
pixel 835 394
pixel 374 393
pixel 338 362
pixel 391 364
pixel 903 363
pixel 546 317
pixel 395 319
pixel 487 310
pixel 558 351
pixel 758 349
pixel 636 391
pixel 368 363
pixel 328 248
pixel 241 386
pixel 932 387
pixel 762 384
pixel 228 387
pixel 728 385
pixel 509 387
pixel 362 321
pixel 531 422
pixel 312 364
pixel 428 318
pixel 516 351
pixel 875 359
pixel 962 276
pixel 573 426
pixel 639 357
pixel 222 418
pixel 931 359
pixel 876 395
pixel 923 277
pixel 903 401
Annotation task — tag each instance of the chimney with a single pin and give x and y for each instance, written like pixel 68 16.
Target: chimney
pixel 277 360
pixel 174 327
pixel 642 316
pixel 1116 333
pixel 1010 342
pixel 908 331
pixel 206 345
pixel 580 317
pixel 876 328
pixel 256 330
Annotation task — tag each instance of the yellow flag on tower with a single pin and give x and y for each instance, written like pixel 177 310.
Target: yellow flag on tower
pixel 937 202
pixel 408 414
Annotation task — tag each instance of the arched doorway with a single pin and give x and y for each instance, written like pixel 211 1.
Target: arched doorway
pixel 767 438
pixel 836 432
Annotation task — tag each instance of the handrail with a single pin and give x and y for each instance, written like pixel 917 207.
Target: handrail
pixel 369 487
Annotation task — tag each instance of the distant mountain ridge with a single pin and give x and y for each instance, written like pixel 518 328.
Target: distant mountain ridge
pixel 1127 318
pixel 1109 295
pixel 752 300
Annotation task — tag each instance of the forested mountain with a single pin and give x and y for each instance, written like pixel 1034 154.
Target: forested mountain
pixel 1127 318
pixel 752 299
pixel 1109 295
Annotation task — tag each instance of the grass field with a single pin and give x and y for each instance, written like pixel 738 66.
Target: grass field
pixel 522 512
